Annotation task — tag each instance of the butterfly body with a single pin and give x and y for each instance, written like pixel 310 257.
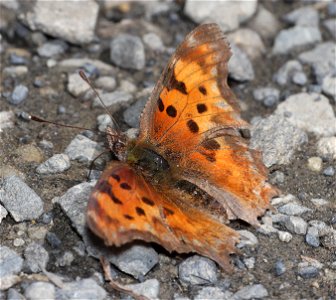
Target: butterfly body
pixel 192 142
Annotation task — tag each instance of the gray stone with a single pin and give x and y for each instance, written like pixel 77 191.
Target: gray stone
pixel 58 163
pixel 149 288
pixel 319 202
pixel 114 100
pixel 19 199
pixel 312 237
pixel 329 171
pixel 227 14
pixel 127 51
pixel 329 240
pixel 103 122
pixel 65 260
pixel 52 49
pixel 303 16
pixel 278 177
pixel 279 268
pixel 6 120
pixel 46 145
pixel 106 83
pixel 136 260
pixel 132 114
pixel 310 112
pixel 83 149
pixel 293 209
pixel 15 71
pixel 153 41
pixel 322 227
pixel 277 139
pixel 321 59
pixel 198 270
pixel 284 236
pixel 40 290
pixel 3 213
pixel 296 225
pixel 76 85
pixel 268 94
pixel 249 41
pixel 19 94
pixel 36 258
pixel 265 23
pixel 74 203
pixel 308 272
pixel 290 39
pixel 249 262
pixel 240 67
pixel 255 291
pixel 63 19
pixel 299 78
pixel 213 293
pixel 10 262
pixel 82 289
pixel 326 147
pixel 330 25
pixel 13 294
pixel 286 72
pixel 247 238
pixel 329 85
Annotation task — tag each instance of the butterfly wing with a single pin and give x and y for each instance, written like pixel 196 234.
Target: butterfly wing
pixel 125 207
pixel 193 120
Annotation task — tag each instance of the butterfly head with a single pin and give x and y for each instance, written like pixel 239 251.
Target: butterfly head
pixel 117 142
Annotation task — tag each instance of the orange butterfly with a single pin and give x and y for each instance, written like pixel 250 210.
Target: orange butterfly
pixel 190 170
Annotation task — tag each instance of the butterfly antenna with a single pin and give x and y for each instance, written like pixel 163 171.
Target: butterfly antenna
pixel 86 79
pixel 38 119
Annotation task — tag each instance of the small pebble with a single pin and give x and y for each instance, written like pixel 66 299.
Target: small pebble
pixel 46 145
pixel 293 209
pixel 329 171
pixel 17 60
pixel 36 258
pixel 53 240
pixel 315 164
pixel 58 163
pixel 312 237
pixel 40 290
pixel 19 94
pixel 284 236
pixel 319 202
pixel 254 291
pixel 299 78
pixel 247 238
pixel 18 242
pixel 296 225
pixel 249 262
pixel 198 270
pixel 279 268
pixel 65 260
pixel 308 272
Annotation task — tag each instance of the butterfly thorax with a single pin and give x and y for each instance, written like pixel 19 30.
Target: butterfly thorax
pixel 142 157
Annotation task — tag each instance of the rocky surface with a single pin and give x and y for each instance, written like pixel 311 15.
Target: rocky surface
pixel 283 73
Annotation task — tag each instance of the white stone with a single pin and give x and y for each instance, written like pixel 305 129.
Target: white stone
pixel 315 164
pixel 69 20
pixel 326 147
pixel 329 86
pixel 247 238
pixel 58 163
pixel 284 236
pixel 310 112
pixel 76 85
pixel 149 288
pixel 6 119
pixel 226 13
pixel 249 41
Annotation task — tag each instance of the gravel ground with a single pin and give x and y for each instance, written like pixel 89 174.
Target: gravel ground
pixel 283 71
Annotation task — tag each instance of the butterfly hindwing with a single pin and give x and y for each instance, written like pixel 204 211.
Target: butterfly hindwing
pixel 125 207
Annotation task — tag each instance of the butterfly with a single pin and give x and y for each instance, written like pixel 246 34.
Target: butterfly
pixel 190 171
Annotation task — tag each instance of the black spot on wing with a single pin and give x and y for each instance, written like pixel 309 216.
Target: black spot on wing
pixel 211 145
pixel 171 111
pixel 203 90
pixel 174 84
pixel 147 201
pixel 128 217
pixel 167 211
pixel 140 211
pixel 125 186
pixel 210 156
pixel 114 198
pixel 201 108
pixel 116 177
pixel 160 105
pixel 192 125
